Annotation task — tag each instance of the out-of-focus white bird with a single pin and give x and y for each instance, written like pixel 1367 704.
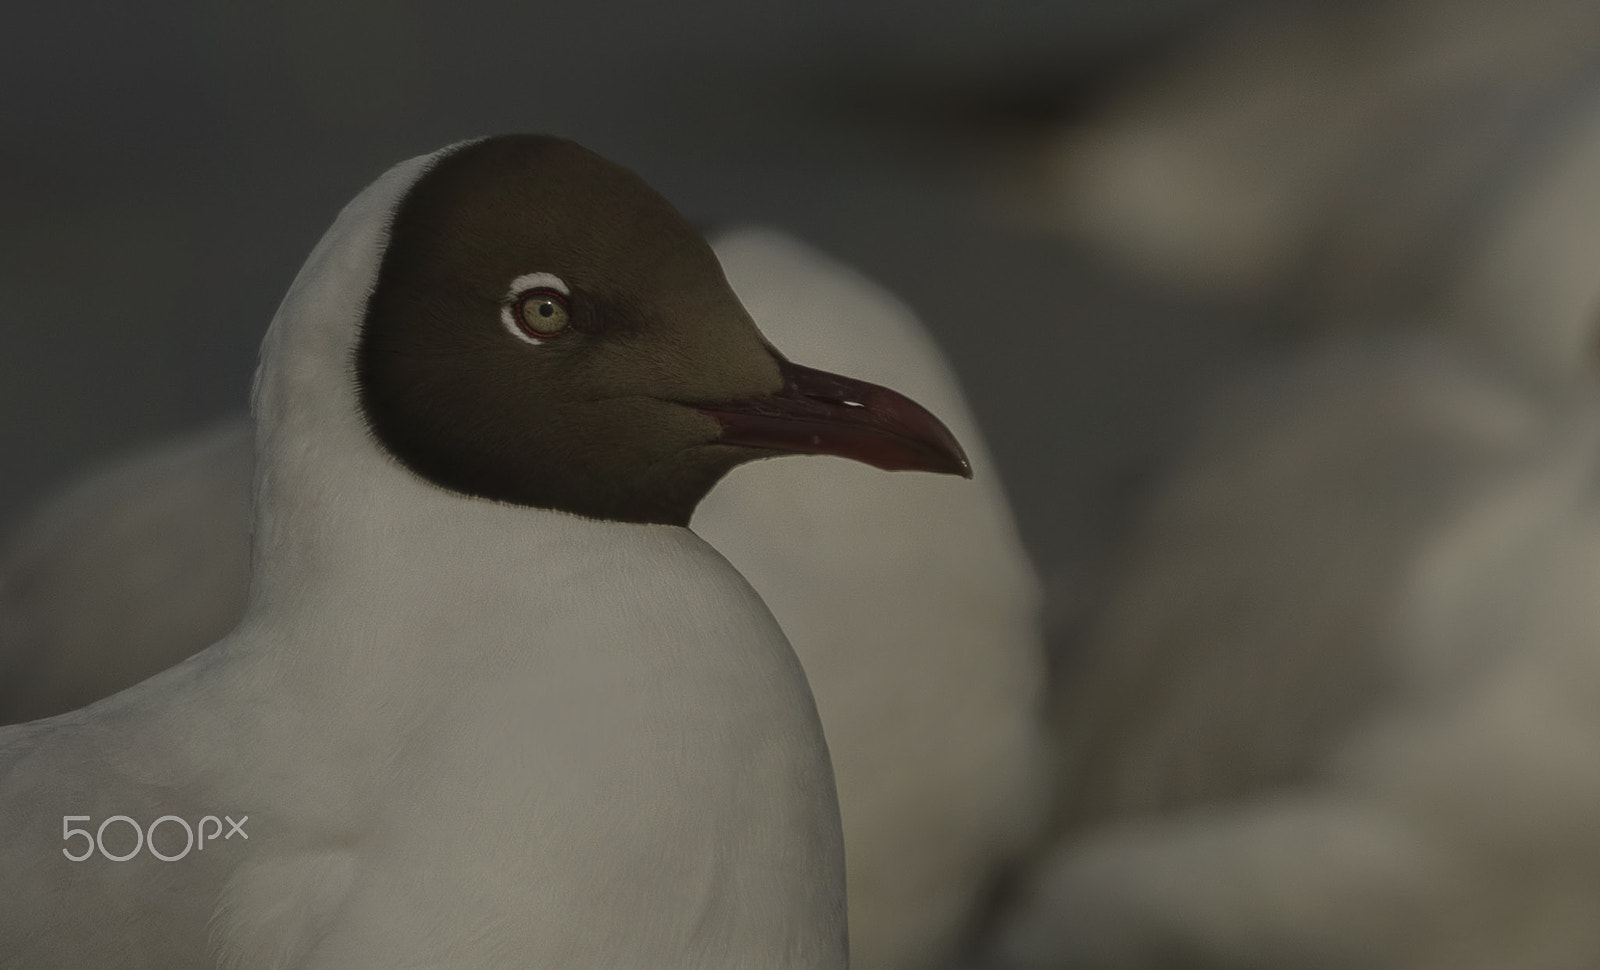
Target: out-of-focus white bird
pixel 1242 625
pixel 126 573
pixel 1281 734
pixel 1355 163
pixel 913 607
pixel 914 612
pixel 1339 710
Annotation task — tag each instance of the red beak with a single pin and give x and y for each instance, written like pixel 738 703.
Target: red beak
pixel 818 413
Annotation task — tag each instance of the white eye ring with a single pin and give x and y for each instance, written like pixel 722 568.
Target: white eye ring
pixel 519 286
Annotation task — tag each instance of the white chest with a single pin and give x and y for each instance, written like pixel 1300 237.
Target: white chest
pixel 622 767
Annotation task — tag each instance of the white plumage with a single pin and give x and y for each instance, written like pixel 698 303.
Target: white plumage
pixel 444 763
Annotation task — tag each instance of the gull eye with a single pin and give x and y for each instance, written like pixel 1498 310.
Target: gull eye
pixel 541 312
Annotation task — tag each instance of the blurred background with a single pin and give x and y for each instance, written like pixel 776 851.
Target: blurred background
pixel 1279 317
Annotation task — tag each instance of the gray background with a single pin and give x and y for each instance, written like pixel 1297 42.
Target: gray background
pixel 167 165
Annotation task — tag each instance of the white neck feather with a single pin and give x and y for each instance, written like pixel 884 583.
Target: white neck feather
pixel 316 461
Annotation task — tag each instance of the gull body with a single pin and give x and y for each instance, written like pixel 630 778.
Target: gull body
pixel 910 602
pixel 490 703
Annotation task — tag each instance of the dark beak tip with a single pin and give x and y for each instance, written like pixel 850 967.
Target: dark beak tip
pixel 960 464
pixel 942 456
